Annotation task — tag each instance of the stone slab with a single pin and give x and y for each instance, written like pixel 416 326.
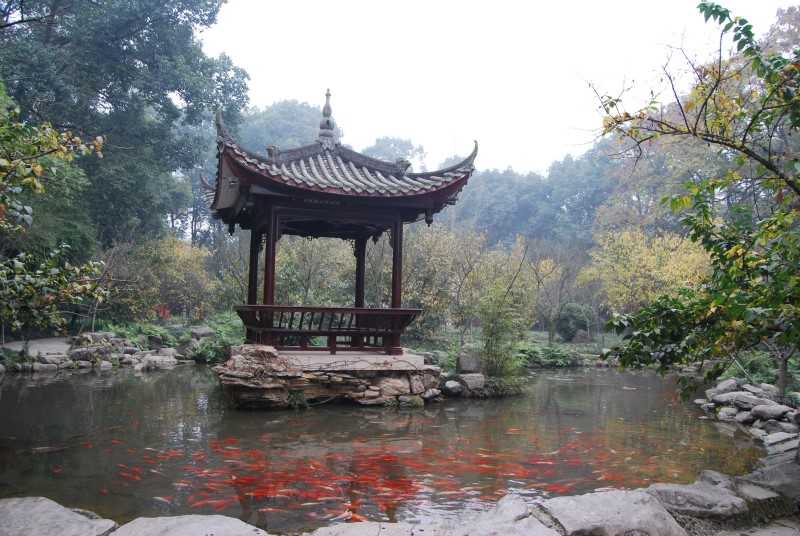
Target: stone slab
pixel 188 525
pixel 613 513
pixel 353 360
pixel 700 499
pixel 373 528
pixel 39 516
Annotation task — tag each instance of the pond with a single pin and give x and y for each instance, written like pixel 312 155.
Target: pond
pixel 125 445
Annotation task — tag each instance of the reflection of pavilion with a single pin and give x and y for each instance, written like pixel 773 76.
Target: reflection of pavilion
pixel 326 190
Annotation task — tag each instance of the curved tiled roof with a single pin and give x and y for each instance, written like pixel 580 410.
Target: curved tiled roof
pixel 326 166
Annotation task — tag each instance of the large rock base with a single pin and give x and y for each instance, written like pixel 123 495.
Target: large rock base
pixel 258 376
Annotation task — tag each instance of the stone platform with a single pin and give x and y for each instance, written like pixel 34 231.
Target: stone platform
pixel 353 360
pixel 258 376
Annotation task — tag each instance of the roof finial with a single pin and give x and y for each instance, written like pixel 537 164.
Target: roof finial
pixel 327 127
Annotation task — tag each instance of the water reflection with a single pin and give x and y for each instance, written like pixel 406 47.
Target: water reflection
pixel 127 445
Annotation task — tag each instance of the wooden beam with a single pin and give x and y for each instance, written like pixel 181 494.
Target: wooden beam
pixel 361 257
pixel 252 274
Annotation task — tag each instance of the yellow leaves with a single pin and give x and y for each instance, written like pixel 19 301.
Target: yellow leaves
pixel 634 268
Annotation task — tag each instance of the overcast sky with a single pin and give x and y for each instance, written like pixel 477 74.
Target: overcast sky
pixel 512 74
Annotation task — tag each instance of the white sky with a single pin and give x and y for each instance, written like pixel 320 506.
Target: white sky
pixel 512 74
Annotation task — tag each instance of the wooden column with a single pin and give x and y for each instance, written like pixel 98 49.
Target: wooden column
pixel 397 264
pixel 361 258
pixel 271 230
pixel 252 274
pixel 269 257
pixel 393 346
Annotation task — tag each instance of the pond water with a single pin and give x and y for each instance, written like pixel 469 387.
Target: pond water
pixel 126 445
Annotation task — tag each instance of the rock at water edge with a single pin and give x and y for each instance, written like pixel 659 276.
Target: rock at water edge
pixel 38 516
pixel 188 525
pixel 700 499
pixel 770 411
pixel 472 382
pixel 452 388
pixel 613 513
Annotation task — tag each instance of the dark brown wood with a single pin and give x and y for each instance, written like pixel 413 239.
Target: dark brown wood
pixel 252 279
pixel 269 257
pixel 397 264
pixel 393 342
pixel 381 327
pixel 361 258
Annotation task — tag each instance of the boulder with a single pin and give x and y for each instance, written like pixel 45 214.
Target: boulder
pixel 726 397
pixel 394 386
pixel 39 516
pixel 188 525
pixel 748 401
pixel 84 364
pixel 726 386
pixel 202 332
pixel 171 352
pixel 771 390
pixel 744 417
pixel 105 365
pixel 788 427
pixel 52 359
pixel 770 411
pixel 452 388
pixel 727 414
pixel 473 381
pixel 613 513
pixel 377 528
pixel 158 362
pixel 467 362
pixel 701 499
pixel 772 426
pixel 511 516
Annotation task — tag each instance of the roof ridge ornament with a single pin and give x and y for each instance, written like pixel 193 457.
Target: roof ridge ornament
pixel 328 135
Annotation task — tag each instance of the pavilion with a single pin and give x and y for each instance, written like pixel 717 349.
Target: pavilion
pixel 326 189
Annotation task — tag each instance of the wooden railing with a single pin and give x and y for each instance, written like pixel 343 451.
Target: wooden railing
pixel 326 328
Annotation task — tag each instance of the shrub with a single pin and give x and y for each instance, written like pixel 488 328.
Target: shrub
pixel 573 317
pixel 533 355
pixel 228 331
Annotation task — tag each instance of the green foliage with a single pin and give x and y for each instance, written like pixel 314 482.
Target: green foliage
pixel 228 331
pixel 759 367
pixel 573 317
pixel 501 326
pixel 752 300
pixel 140 332
pixel 131 71
pixel 538 356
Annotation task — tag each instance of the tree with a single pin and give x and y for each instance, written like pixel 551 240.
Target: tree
pixel 633 268
pixel 393 149
pixel 746 106
pixel 131 71
pixel 36 290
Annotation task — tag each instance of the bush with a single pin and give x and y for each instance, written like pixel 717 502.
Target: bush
pixel 535 356
pixel 573 317
pixel 760 368
pixel 228 331
pixel 139 333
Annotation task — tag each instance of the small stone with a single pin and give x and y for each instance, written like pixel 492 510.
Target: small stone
pixel 380 401
pixel 709 407
pixel 84 364
pixel 700 401
pixel 105 365
pixel 129 349
pixel 452 388
pixel 431 393
pixel 44 367
pixel 758 433
pixel 770 411
pixel 727 414
pixel 2 369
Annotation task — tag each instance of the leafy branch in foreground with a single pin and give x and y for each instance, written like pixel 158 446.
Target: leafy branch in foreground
pixel 747 107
